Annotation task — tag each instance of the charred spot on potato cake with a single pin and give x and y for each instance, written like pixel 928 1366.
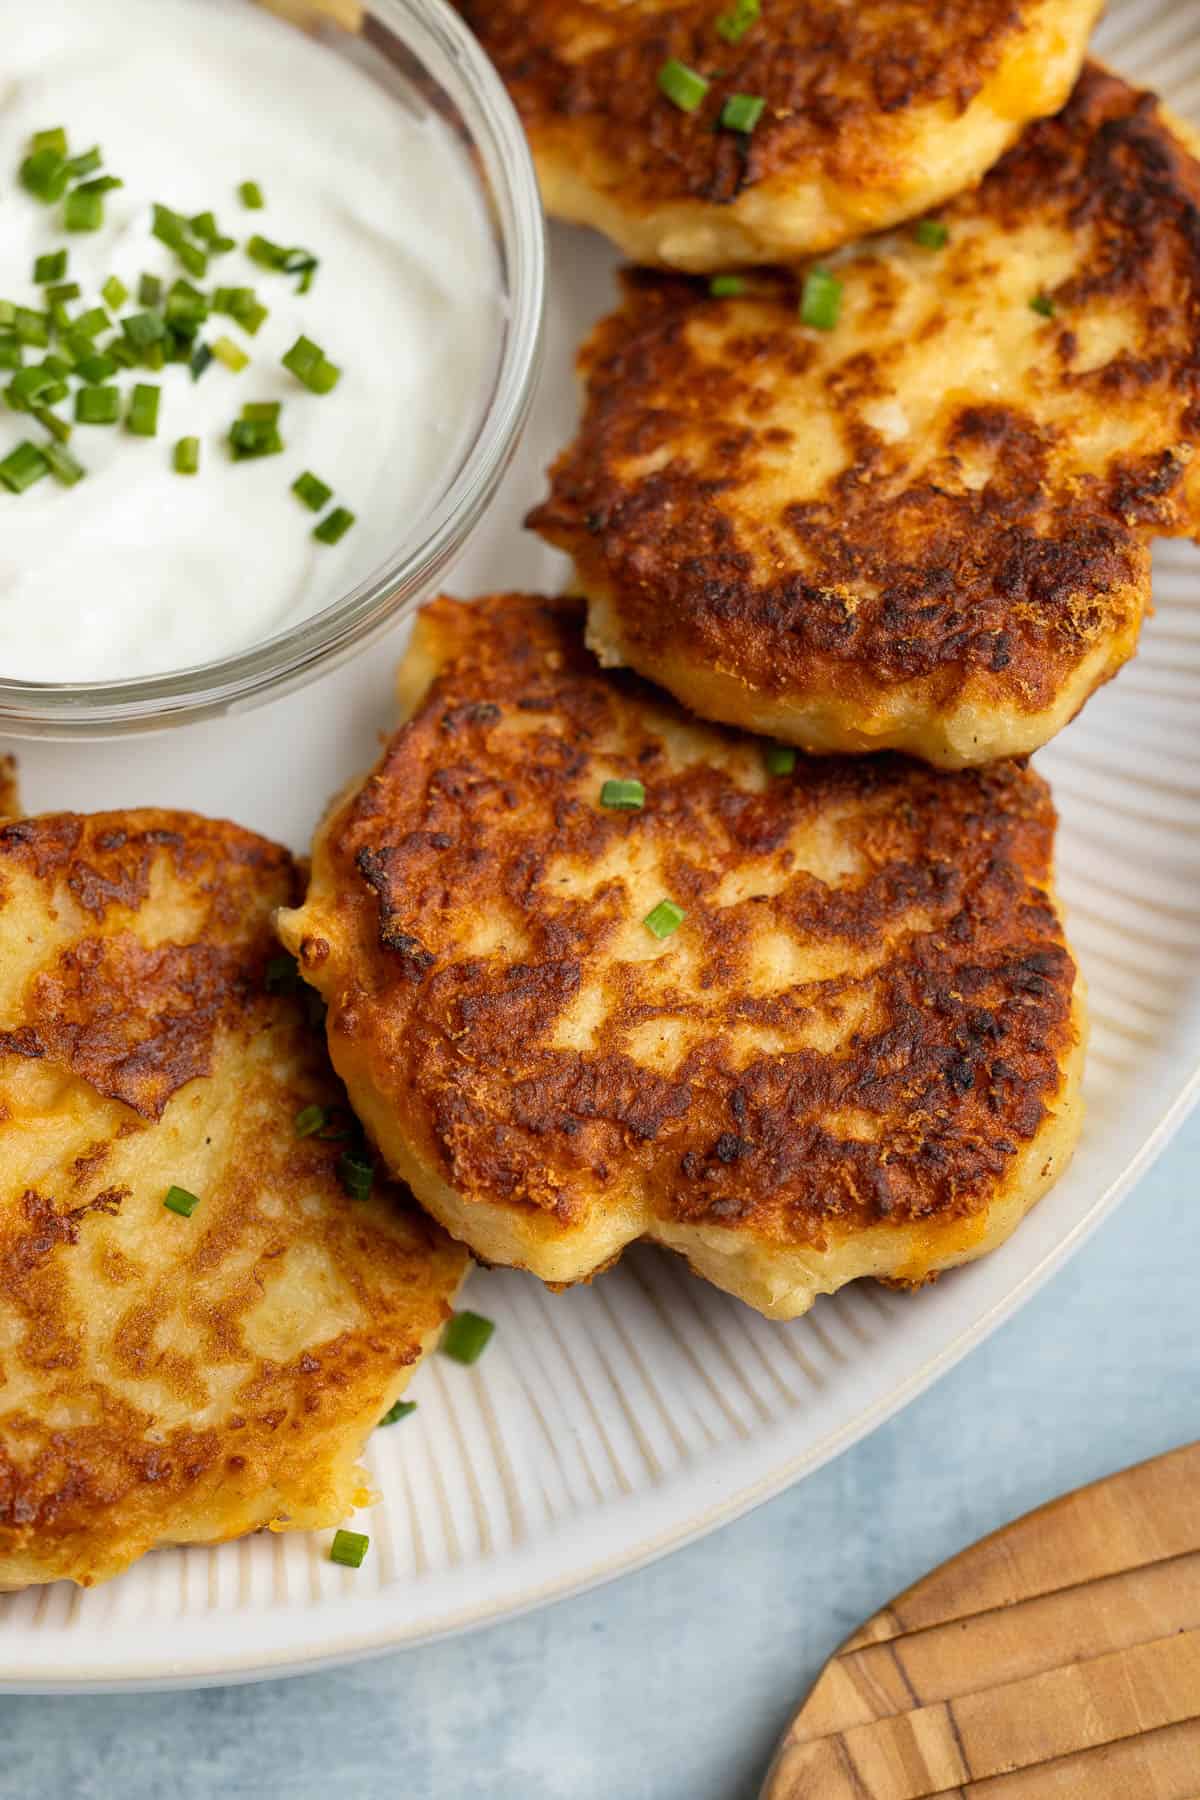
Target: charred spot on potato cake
pixel 928 528
pixel 865 1029
pixel 871 112
pixel 166 1379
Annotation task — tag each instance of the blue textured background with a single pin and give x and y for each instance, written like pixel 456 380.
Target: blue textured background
pixel 672 1684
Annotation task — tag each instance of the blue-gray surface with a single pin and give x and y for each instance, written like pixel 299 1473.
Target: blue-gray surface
pixel 673 1683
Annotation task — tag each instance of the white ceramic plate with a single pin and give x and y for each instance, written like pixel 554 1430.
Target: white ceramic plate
pixel 615 1422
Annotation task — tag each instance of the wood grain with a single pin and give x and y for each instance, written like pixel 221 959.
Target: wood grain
pixel 1058 1658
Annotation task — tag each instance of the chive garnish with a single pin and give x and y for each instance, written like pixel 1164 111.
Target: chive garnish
pixel 97 405
pixel 734 24
pixel 309 1120
pixel 89 324
pixel 349 1548
pixel 58 428
pixel 931 234
pixel 623 796
pixel 1043 304
pixel 144 328
pixel 44 174
pixel 400 1410
pixel 63 466
pixel 780 759
pixel 227 352
pixel 194 260
pixel 309 364
pixel 682 86
pixel 114 293
pixel 55 139
pixel 10 350
pixel 95 369
pixel 186 457
pixel 31 327
pixel 334 526
pixel 741 112
pixel 262 412
pixel 50 267
pixel 23 466
pixel 821 301
pixel 84 210
pixel 102 184
pixel 356 1174
pixel 254 437
pixel 86 163
pixel 149 291
pixel 205 226
pixel 61 292
pixel 312 490
pixel 201 357
pixel 178 1200
pixel 726 287
pixel 466 1337
pixel 261 250
pixel 142 417
pixel 29 385
pixel 251 196
pixel 664 918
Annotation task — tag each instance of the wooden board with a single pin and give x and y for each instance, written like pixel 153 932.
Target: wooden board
pixel 1058 1659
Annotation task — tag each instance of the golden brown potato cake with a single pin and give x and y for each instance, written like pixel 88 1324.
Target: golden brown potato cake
pixel 858 1054
pixel 928 528
pixel 169 1379
pixel 873 112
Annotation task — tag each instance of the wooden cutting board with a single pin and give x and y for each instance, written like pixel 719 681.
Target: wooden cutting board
pixel 1059 1657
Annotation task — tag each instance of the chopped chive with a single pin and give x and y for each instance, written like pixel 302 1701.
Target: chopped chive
pixel 309 364
pixel 250 315
pixel 312 490
pixel 623 796
pixel 51 267
pixel 63 466
pixel 58 428
pixel 61 292
pixel 466 1337
pixel 201 357
pixel 44 174
pixel 334 526
pixel 931 234
pixel 97 405
pixel 179 1201
pixel 142 417
pixel 31 327
pixel 122 352
pixel 55 139
pixel 30 385
pixel 144 328
pixel 205 226
pixel 186 313
pixel 250 438
pixel 114 293
pixel 10 351
pixel 149 291
pixel 95 369
pixel 779 758
pixel 349 1548
pixel 60 316
pixel 734 24
pixel 741 112
pixel 356 1174
pixel 8 313
pixel 262 412
pixel 23 466
pixel 227 352
pixel 92 322
pixel 726 287
pixel 102 184
pixel 1043 304
pixel 400 1410
pixel 84 211
pixel 86 163
pixel 682 86
pixel 169 227
pixel 185 459
pixel 664 918
pixel 310 1119
pixel 194 260
pixel 821 302
pixel 251 196
pixel 303 263
pixel 221 246
pixel 261 250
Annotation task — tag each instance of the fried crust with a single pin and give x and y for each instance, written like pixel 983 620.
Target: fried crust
pixel 860 1052
pixel 171 1380
pixel 874 112
pixel 927 529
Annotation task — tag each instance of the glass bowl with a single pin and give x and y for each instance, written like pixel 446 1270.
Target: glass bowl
pixel 423 53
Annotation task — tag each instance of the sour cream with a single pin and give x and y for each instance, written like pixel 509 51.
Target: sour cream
pixel 138 570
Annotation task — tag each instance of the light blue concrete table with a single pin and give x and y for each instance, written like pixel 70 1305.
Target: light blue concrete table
pixel 672 1684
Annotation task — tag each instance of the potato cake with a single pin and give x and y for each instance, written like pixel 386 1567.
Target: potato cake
pixel 701 134
pixel 928 527
pixel 799 1026
pixel 166 1376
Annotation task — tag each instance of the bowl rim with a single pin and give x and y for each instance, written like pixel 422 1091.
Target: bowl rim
pixel 429 30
